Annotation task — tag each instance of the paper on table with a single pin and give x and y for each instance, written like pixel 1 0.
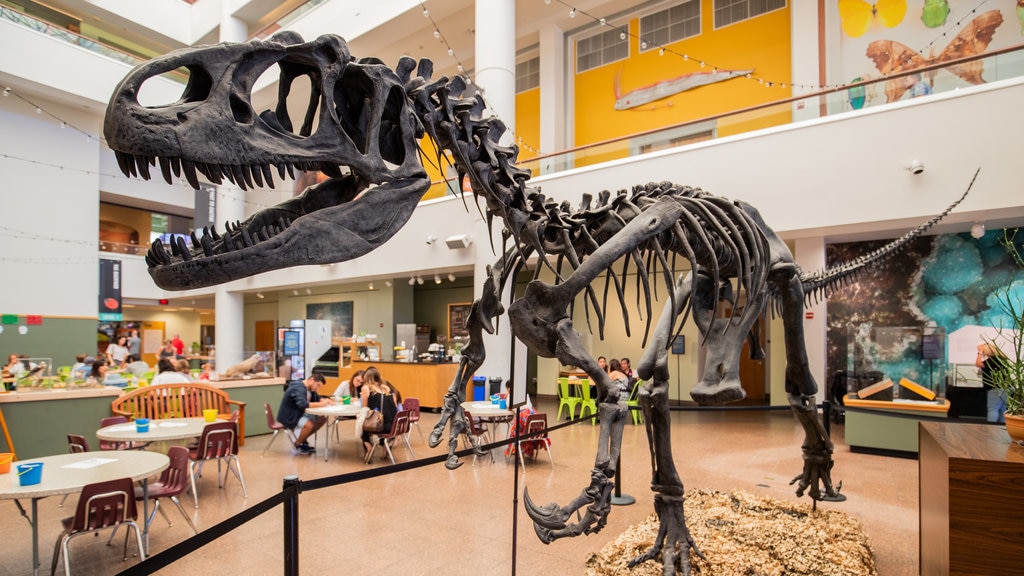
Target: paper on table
pixel 122 428
pixel 172 424
pixel 90 463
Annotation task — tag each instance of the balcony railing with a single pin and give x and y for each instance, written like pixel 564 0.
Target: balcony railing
pixel 68 36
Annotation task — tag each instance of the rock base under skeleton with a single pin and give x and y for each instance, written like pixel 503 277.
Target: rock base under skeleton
pixel 745 535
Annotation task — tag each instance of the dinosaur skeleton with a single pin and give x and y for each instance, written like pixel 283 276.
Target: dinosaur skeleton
pixel 369 118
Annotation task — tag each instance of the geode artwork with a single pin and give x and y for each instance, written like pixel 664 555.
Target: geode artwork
pixel 369 119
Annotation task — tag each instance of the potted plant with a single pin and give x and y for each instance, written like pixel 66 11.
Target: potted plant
pixel 1009 378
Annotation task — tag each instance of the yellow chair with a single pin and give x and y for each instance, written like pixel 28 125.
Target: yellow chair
pixel 566 398
pixel 587 401
pixel 633 403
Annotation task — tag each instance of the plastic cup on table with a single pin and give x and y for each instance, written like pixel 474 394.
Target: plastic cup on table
pixel 346 400
pixel 142 424
pixel 209 414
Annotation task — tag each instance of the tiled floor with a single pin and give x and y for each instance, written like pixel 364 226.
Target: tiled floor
pixel 432 521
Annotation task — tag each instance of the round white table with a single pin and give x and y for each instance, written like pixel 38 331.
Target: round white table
pixel 69 473
pixel 159 430
pixel 335 413
pixel 493 414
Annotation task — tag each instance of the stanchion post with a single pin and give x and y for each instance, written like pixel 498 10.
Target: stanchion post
pixel 291 526
pixel 515 490
pixel 618 498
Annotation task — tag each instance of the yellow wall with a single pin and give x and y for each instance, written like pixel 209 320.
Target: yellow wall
pixel 528 123
pixel 761 43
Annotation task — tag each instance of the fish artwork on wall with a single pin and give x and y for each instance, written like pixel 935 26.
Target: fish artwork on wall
pixel 670 87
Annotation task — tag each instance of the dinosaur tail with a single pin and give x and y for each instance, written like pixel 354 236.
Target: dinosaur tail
pixel 823 283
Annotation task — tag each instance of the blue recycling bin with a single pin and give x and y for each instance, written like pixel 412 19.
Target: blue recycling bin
pixel 479 388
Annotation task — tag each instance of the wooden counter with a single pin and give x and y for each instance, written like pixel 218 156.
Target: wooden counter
pixel 888 435
pixel 971 479
pixel 424 380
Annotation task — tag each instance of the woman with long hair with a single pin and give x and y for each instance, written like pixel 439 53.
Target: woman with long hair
pixel 377 394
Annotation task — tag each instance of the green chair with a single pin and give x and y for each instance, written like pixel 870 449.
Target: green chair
pixel 633 403
pixel 566 399
pixel 587 401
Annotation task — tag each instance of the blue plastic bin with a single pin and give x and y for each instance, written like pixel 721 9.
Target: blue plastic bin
pixel 479 388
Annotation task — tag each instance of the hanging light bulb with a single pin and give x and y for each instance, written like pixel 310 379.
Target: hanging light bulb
pixel 450 51
pixel 426 14
pixel 643 45
pixel 572 13
pixel 603 21
pixel 622 35
pixel 7 92
pixel 661 52
pixel 460 68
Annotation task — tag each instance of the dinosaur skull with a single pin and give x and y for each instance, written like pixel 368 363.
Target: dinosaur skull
pixel 365 139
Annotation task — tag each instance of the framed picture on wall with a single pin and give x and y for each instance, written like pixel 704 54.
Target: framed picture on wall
pixel 339 313
pixel 457 316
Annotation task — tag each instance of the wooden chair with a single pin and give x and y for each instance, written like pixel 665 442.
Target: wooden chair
pixel 567 398
pixel 478 435
pixel 219 441
pixel 399 429
pixel 102 505
pixel 277 427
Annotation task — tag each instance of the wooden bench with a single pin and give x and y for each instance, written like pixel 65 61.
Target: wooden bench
pixel 178 401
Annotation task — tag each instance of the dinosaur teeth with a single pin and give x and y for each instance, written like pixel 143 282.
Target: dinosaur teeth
pixel 237 178
pixel 189 168
pixel 215 173
pixel 229 246
pixel 125 163
pixel 182 249
pixel 267 175
pixel 165 169
pixel 291 173
pixel 159 253
pixel 246 176
pixel 246 239
pixel 195 241
pixel 142 165
pixel 207 245
pixel 281 171
pixel 213 232
pixel 257 175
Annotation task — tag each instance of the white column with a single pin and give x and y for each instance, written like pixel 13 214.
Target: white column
pixel 496 57
pixel 496 76
pixel 810 255
pixel 805 57
pixel 230 305
pixel 552 92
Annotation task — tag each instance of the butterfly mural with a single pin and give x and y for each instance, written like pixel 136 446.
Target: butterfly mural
pixel 891 56
pixel 857 16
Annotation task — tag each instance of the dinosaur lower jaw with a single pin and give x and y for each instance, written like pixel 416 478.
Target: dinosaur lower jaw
pixel 326 224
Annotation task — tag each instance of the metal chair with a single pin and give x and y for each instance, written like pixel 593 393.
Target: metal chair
pixel 277 427
pixel 399 429
pixel 566 398
pixel 219 441
pixel 478 435
pixel 413 406
pixel 633 403
pixel 587 403
pixel 101 505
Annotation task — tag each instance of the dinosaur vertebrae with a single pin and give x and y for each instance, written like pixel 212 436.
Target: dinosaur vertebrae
pixel 714 234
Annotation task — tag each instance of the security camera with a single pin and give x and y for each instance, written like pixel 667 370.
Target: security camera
pixel 430 240
pixel 916 167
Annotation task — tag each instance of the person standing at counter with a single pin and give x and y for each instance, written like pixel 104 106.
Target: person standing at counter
pixel 117 351
pixel 134 346
pixel 376 394
pixel 299 395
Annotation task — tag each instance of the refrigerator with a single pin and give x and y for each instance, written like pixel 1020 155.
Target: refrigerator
pixel 302 343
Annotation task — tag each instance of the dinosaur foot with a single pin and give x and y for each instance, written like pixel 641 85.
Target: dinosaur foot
pixel 673 543
pixel 816 478
pixel 722 392
pixel 549 521
pixel 435 437
pixel 452 462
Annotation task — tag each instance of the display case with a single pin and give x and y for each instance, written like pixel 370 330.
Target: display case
pixel 914 353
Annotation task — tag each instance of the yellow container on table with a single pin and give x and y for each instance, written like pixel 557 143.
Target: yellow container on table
pixel 210 414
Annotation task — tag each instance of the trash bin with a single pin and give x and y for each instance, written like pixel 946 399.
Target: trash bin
pixel 479 388
pixel 495 385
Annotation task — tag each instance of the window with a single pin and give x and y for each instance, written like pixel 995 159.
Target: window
pixel 528 74
pixel 601 49
pixel 733 11
pixel 671 25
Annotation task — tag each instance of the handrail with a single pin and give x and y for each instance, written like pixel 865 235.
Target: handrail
pixel 553 162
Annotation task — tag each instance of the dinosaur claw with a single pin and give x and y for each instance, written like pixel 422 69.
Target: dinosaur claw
pixel 434 439
pixel 547 516
pixel 453 462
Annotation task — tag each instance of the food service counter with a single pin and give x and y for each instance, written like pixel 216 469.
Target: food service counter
pixel 427 381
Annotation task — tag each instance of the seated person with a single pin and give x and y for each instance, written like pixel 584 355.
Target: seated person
pixel 207 374
pixel 99 370
pixel 619 377
pixel 15 366
pixel 168 374
pixel 299 395
pixel 376 394
pixel 351 386
pixel 184 368
pixel 79 370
